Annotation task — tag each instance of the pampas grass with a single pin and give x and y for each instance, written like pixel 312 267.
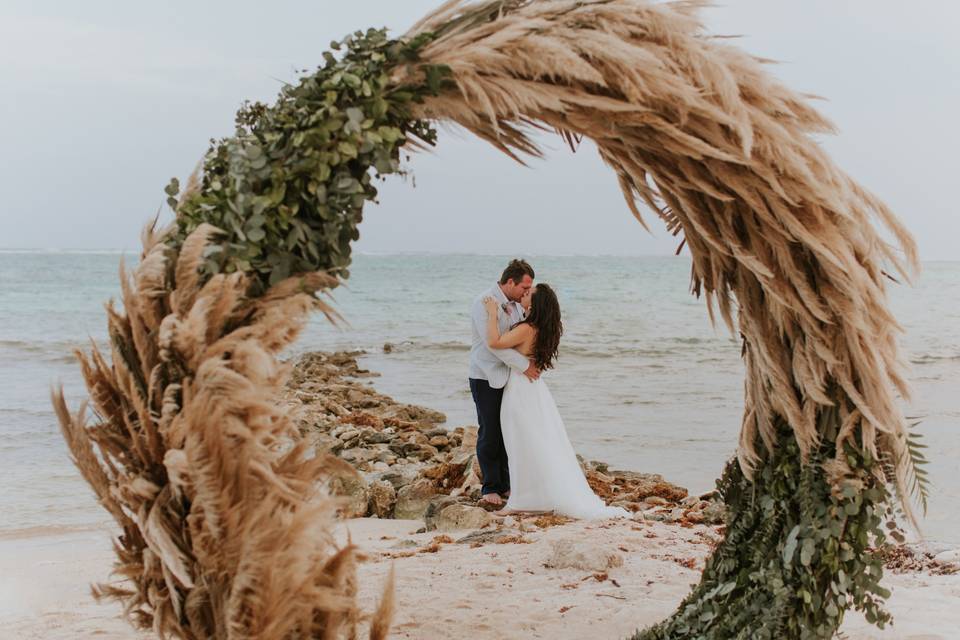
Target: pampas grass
pixel 725 155
pixel 226 525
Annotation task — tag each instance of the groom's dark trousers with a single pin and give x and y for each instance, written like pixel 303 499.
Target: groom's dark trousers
pixel 491 453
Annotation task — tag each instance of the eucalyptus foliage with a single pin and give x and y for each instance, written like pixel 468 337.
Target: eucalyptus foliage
pixel 288 188
pixel 797 550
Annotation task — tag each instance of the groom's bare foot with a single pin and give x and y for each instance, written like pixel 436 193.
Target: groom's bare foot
pixel 491 500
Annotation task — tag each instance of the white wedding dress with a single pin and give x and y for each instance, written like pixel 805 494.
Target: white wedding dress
pixel 544 472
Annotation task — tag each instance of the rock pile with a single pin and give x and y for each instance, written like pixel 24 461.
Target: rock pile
pixel 406 465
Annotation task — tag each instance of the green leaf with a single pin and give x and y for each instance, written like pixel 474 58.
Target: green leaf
pixel 831 609
pixel 172 188
pixel 791 545
pixel 806 551
pixel 355 115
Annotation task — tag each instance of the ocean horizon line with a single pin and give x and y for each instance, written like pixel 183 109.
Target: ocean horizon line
pixel 386 254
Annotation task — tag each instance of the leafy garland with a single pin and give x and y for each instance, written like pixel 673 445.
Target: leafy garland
pixel 796 554
pixel 288 190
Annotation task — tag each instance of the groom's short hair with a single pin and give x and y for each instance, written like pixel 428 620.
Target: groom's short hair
pixel 516 270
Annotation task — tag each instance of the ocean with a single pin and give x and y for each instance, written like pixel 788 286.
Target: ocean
pixel 643 381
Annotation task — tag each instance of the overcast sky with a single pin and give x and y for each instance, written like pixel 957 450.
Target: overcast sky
pixel 102 102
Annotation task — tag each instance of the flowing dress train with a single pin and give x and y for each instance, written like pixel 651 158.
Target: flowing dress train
pixel 544 472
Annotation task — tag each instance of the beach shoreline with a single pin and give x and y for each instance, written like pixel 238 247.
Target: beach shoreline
pixel 487 577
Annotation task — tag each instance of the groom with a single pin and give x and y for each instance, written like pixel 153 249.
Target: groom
pixel 488 375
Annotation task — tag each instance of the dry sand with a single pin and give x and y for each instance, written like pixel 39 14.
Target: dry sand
pixel 458 591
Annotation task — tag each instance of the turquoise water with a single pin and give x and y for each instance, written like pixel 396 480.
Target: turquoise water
pixel 643 381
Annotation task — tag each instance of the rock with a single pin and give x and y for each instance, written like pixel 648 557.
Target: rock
pixel 655 500
pixel 696 517
pixel 462 516
pixel 399 475
pixel 358 454
pixel 354 489
pixel 413 500
pixel 421 452
pixel 362 419
pixel 600 483
pixel 462 456
pixel 675 515
pixel 632 507
pixel 416 437
pixel 335 408
pixel 666 490
pixel 386 457
pixel 406 544
pixel 437 504
pixel 635 477
pixel 714 513
pixel 372 436
pixel 422 415
pixel 348 434
pixel 568 554
pixel 439 441
pixel 364 398
pixel 469 439
pixel 471 485
pixel 602 467
pixel 447 475
pixel 658 516
pixel 485 537
pixel 383 497
pixel 387 347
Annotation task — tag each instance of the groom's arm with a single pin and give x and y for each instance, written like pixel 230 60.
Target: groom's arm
pixel 510 357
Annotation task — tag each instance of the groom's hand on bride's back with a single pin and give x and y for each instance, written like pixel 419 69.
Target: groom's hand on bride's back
pixel 532 372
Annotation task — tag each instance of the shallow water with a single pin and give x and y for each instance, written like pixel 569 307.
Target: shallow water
pixel 643 381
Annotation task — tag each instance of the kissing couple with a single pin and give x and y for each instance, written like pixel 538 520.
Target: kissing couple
pixel 524 454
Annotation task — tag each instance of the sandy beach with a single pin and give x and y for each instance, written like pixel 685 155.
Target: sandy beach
pixel 479 590
pixel 461 572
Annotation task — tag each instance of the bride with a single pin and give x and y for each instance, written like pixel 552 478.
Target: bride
pixel 544 472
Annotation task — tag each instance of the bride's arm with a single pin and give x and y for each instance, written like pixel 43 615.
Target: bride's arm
pixel 510 339
pixel 513 338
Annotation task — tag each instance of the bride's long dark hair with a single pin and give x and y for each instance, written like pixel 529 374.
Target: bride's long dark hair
pixel 544 316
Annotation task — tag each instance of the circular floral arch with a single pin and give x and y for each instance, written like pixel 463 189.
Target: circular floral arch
pixel 216 492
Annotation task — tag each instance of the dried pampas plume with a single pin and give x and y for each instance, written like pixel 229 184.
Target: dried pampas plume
pixel 226 525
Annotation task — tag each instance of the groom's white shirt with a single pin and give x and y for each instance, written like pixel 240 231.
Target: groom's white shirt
pixel 489 364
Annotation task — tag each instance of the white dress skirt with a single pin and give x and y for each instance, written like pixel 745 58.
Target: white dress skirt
pixel 544 472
